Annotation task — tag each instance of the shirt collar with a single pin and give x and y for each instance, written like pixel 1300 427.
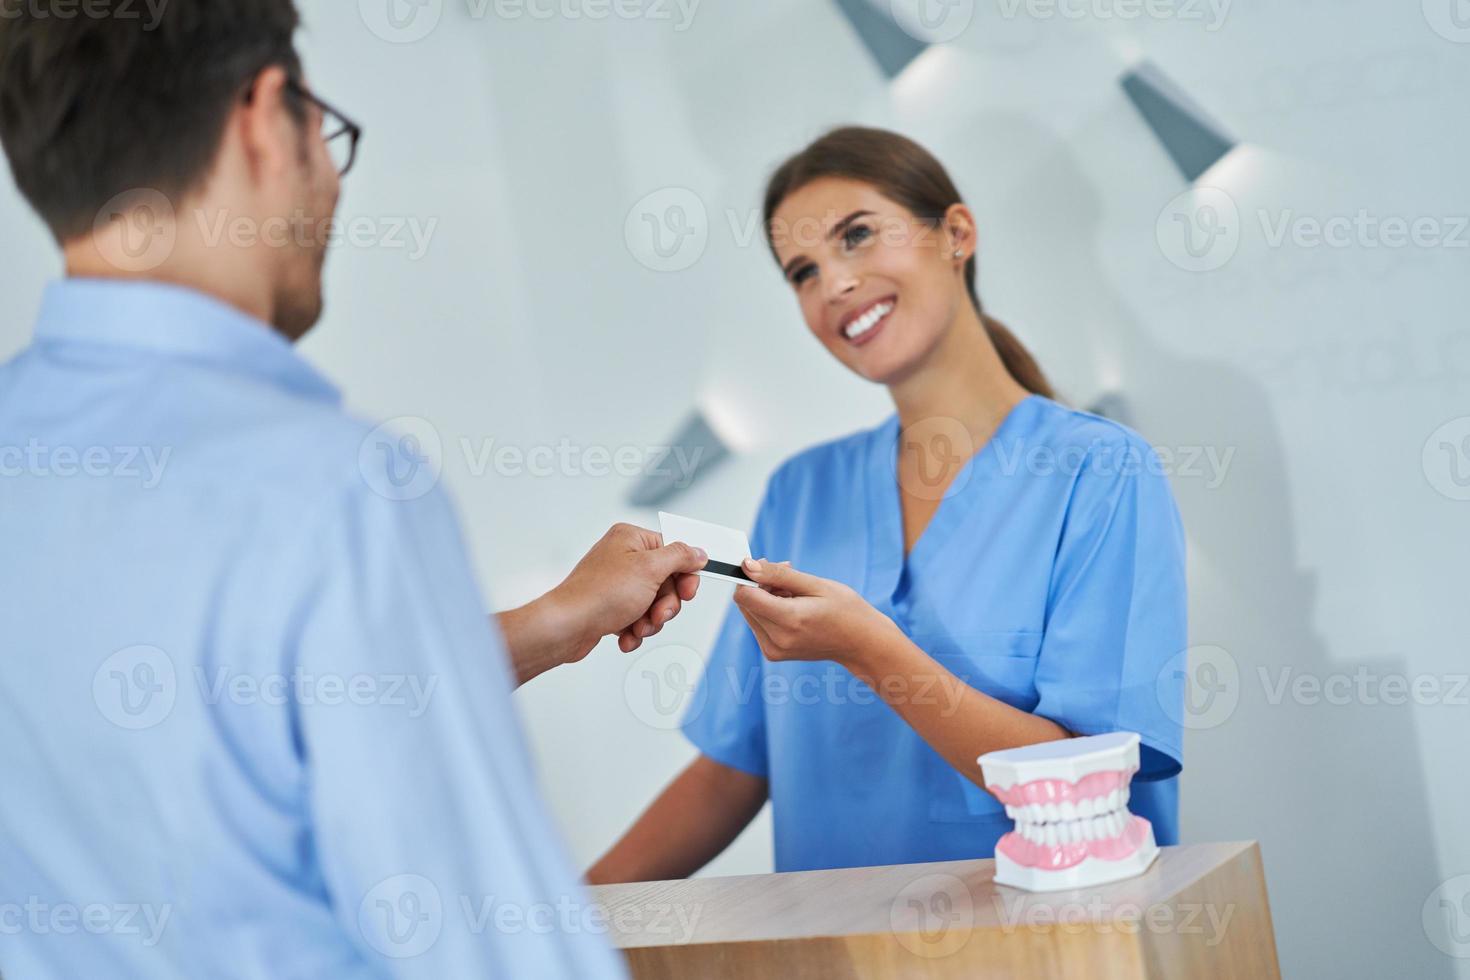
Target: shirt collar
pixel 886 558
pixel 174 321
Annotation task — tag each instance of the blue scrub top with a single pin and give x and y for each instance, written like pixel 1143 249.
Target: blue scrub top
pixel 1051 577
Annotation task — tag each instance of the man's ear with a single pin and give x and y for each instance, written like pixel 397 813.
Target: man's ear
pixel 267 129
pixel 959 224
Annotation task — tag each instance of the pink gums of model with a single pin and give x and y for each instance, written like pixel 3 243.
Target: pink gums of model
pixel 1069 799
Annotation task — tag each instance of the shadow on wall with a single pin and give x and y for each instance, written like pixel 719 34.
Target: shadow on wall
pixel 1322 786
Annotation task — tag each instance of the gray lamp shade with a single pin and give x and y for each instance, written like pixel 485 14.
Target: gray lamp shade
pixel 1193 140
pixel 693 451
pixel 891 46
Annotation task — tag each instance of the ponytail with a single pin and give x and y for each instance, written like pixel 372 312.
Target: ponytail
pixel 1016 358
pixel 1013 354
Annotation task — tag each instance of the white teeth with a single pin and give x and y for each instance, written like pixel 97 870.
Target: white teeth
pixel 867 321
pixel 1072 821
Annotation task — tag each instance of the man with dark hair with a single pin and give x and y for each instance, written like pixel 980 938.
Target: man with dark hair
pixel 253 721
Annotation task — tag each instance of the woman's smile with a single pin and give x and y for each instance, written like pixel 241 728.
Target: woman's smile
pixel 861 325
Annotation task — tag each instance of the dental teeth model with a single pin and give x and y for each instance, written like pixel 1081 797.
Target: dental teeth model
pixel 1069 799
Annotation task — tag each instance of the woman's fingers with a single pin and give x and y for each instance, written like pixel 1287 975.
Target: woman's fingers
pixel 759 629
pixel 780 575
pixel 761 603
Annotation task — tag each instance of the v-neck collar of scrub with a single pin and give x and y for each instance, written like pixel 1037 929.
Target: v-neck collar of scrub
pixel 886 559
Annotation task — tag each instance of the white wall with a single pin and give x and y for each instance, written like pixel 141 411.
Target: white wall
pixel 1326 549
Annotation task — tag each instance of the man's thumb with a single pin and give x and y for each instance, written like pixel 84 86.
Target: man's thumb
pixel 677 557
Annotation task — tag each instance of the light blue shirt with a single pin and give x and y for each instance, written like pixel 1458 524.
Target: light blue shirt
pixel 1051 577
pixel 254 720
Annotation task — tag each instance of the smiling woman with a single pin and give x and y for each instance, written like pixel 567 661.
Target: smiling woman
pixel 946 598
pixel 907 203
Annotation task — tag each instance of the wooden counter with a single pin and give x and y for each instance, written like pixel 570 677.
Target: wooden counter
pixel 1199 912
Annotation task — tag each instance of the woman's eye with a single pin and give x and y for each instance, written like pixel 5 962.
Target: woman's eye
pixel 803 274
pixel 856 235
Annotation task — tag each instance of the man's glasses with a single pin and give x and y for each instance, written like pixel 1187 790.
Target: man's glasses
pixel 338 132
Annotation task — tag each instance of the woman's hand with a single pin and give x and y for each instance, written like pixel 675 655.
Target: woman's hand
pixel 802 617
pixel 796 616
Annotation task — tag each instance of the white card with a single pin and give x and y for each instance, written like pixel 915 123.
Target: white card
pixel 726 546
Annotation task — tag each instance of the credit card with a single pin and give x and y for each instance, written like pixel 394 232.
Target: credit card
pixel 726 546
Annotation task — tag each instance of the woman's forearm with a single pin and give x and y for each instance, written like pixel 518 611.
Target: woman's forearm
pixel 958 722
pixel 687 826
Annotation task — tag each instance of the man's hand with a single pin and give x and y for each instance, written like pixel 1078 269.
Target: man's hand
pixel 796 616
pixel 629 584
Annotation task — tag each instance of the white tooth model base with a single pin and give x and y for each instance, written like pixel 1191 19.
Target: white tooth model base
pixel 1069 799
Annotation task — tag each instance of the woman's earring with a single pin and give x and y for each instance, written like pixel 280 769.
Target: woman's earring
pixel 959 253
